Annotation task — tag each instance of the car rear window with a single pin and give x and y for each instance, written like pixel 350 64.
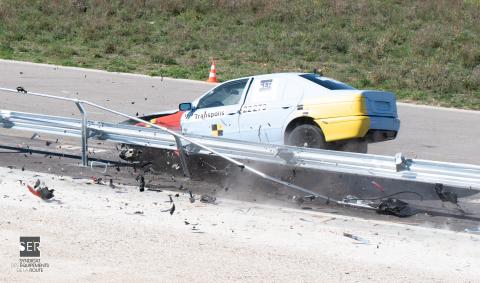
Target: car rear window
pixel 326 83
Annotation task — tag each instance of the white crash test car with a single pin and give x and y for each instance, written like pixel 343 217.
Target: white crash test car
pixel 300 109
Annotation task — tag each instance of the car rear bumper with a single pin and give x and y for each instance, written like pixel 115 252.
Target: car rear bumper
pixel 382 129
pixel 374 128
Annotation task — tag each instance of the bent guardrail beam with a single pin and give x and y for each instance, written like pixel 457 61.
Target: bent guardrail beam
pixel 177 136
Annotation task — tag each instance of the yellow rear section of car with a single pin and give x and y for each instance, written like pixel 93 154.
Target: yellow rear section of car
pixel 339 116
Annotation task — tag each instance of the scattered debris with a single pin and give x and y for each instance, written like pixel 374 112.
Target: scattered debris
pixel 138 212
pixel 170 199
pixel 141 179
pixel 34 136
pixel 40 190
pixel 356 238
pixel 395 207
pixel 48 143
pixel 444 195
pixel 172 210
pixel 186 222
pixel 98 181
pixel 207 199
pixel 192 199
pixel 21 89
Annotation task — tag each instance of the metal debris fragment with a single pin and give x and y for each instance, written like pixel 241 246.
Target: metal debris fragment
pixel 356 238
pixel 207 199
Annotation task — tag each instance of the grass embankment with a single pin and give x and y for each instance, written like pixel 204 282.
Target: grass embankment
pixel 426 51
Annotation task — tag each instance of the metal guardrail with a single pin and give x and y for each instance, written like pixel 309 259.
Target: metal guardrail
pixel 393 167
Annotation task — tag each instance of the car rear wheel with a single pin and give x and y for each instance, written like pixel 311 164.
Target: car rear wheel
pixel 307 136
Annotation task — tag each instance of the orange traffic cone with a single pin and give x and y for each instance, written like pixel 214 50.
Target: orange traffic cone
pixel 212 77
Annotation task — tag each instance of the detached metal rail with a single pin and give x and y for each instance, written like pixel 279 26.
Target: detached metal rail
pixel 394 167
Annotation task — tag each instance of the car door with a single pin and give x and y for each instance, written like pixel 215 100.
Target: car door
pixel 265 110
pixel 216 113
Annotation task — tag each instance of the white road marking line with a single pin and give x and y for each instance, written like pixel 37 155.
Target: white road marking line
pixel 103 72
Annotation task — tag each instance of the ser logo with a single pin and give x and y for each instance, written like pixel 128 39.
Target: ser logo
pixel 29 246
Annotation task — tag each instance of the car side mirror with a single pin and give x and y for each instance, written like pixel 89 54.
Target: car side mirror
pixel 186 106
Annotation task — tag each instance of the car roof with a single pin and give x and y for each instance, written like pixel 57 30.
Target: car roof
pixel 277 75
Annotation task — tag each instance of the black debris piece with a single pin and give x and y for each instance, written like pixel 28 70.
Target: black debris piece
pixel 395 207
pixel 309 197
pixel 192 199
pixel 23 168
pixel 21 89
pixel 141 179
pixel 186 222
pixel 34 136
pixel 98 181
pixel 172 210
pixel 170 199
pixel 177 195
pixel 46 193
pixel 138 212
pixel 48 143
pixel 444 195
pixel 207 199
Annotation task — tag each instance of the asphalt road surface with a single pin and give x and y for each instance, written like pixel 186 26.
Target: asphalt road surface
pixel 426 132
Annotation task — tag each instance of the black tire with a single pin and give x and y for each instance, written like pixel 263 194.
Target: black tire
pixel 307 136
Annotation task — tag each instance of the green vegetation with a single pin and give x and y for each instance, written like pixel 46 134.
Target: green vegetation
pixel 426 51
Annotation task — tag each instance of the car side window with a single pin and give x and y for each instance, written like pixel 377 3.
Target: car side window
pixel 226 94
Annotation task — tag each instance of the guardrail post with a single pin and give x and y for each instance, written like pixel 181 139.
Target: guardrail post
pixel 84 134
pixel 183 158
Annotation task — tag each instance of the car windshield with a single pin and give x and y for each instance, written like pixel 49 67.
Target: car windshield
pixel 326 83
pixel 226 94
